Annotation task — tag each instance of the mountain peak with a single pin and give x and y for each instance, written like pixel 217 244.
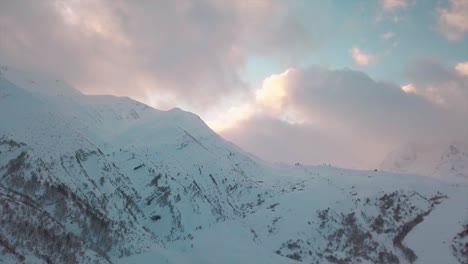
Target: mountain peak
pixel 37 83
pixel 446 162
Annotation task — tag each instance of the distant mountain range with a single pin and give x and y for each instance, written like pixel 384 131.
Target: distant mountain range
pixel 447 162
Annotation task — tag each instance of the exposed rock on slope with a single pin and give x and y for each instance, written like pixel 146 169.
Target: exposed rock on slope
pixel 102 179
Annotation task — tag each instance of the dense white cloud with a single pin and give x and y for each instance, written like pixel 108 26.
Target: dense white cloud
pixel 273 92
pixel 346 117
pixel 453 20
pixel 193 53
pixel 153 51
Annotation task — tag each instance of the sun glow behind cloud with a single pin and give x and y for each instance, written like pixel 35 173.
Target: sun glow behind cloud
pixel 273 92
pixel 269 100
pixel 231 117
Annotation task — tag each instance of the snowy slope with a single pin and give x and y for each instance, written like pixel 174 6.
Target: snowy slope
pixel 106 179
pixel 330 215
pixel 138 171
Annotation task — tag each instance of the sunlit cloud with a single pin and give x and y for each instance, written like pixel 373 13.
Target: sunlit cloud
pixel 453 20
pixel 462 68
pixel 408 88
pixel 361 57
pixel 273 91
pixel 232 117
pixel 320 111
pixel 193 51
pixel 196 55
pixel 270 99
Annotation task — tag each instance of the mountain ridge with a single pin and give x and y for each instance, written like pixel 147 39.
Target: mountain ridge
pixel 110 180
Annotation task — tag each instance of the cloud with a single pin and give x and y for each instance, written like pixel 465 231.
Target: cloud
pixel 387 35
pixel 443 85
pixel 391 10
pixel 355 101
pixel 408 88
pixel 453 20
pixel 233 116
pixel 346 118
pixel 360 57
pixel 392 5
pixel 153 51
pixel 273 93
pixel 270 100
pixel 192 54
pixel 279 141
pixel 462 68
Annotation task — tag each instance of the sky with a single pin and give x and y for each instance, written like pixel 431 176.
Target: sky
pixel 326 81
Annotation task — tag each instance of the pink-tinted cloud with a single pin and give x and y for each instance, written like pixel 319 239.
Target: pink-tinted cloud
pixel 444 85
pixel 346 118
pixel 453 20
pixel 361 57
pixel 279 141
pixel 462 68
pixel 153 51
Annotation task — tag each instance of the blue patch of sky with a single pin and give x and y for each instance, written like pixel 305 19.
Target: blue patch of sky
pixel 340 25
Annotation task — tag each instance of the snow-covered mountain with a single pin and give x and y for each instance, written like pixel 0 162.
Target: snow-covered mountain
pixel 104 179
pixel 447 162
